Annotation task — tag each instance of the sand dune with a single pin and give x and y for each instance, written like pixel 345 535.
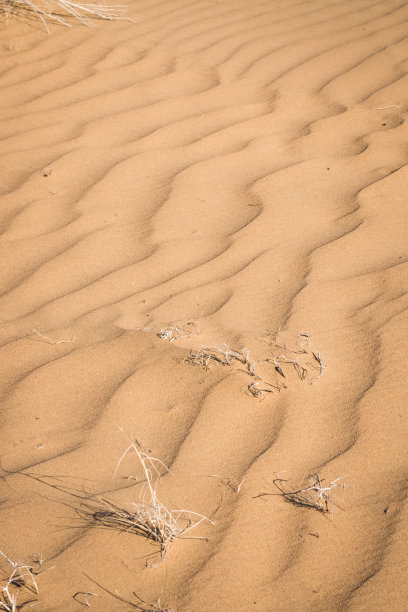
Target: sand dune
pixel 230 169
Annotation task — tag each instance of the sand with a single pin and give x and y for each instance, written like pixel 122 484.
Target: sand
pixel 224 174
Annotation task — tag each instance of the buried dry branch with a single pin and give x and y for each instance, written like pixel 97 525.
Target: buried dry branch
pixel 62 11
pixel 147 517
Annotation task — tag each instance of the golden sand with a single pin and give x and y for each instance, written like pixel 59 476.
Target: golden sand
pixel 204 252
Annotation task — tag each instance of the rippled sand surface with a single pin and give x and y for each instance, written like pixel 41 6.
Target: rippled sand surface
pixel 222 174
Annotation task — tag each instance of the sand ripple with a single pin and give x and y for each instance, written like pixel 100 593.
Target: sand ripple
pixel 240 168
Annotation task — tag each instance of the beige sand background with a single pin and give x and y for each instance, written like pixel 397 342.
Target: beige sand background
pixel 235 168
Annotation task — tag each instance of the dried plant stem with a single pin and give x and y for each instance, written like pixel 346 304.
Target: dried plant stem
pixel 49 340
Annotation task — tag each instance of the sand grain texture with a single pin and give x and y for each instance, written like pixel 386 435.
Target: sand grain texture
pixel 234 168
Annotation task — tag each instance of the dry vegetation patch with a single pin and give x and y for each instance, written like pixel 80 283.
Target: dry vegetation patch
pixel 148 516
pixel 19 584
pixel 270 371
pixel 63 12
pixel 315 495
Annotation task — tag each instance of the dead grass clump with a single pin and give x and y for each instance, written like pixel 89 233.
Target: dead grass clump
pixel 206 356
pixel 62 11
pixel 315 495
pixel 19 577
pixel 147 517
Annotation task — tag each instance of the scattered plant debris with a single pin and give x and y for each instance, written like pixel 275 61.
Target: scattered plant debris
pixel 306 364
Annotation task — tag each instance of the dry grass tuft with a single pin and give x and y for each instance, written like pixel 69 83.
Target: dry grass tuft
pixel 19 577
pixel 147 517
pixel 62 11
pixel 315 495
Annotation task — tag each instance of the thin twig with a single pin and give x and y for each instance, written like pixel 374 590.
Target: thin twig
pixel 49 340
pixel 390 106
pixel 84 595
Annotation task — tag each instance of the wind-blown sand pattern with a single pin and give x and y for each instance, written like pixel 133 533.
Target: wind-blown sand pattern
pixel 232 168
